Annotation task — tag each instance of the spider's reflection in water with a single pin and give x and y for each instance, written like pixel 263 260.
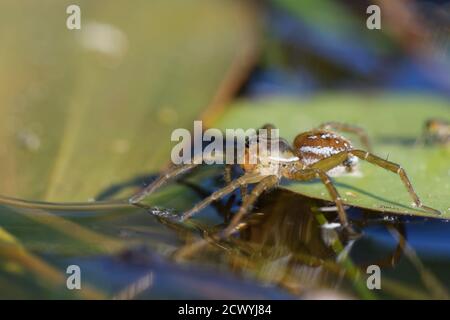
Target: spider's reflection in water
pixel 281 243
pixel 289 244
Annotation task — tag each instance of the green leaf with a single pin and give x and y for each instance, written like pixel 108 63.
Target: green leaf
pixel 393 122
pixel 84 110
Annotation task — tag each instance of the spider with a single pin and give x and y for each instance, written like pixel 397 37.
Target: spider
pixel 437 131
pixel 312 155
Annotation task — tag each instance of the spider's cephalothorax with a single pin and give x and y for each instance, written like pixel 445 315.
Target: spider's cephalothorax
pixel 313 155
pixel 307 148
pixel 278 161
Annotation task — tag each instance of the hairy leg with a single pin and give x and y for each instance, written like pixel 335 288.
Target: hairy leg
pixel 227 173
pixel 234 226
pixel 248 202
pixel 243 180
pixel 161 180
pixel 268 126
pixel 309 174
pixel 170 173
pixel 335 160
pixel 244 192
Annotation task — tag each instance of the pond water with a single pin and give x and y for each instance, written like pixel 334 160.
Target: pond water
pixel 284 250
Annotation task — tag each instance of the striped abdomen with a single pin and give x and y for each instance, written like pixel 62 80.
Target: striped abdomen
pixel 313 146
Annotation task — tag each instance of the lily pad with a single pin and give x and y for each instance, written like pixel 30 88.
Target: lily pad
pixel 83 110
pixel 394 123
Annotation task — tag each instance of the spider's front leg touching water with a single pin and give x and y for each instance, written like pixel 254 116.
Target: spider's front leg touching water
pixel 248 202
pixel 337 159
pixel 239 182
pixel 309 174
pixel 236 223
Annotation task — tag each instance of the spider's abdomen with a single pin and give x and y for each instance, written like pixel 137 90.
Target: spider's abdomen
pixel 313 146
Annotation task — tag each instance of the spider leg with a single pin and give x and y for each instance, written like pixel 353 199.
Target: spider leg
pixel 268 126
pixel 243 192
pixel 170 173
pixel 161 180
pixel 227 178
pixel 360 132
pixel 234 225
pixel 308 174
pixel 335 160
pixel 243 180
pixel 227 173
pixel 248 202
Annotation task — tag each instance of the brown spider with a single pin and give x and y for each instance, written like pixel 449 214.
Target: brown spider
pixel 313 154
pixel 437 131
